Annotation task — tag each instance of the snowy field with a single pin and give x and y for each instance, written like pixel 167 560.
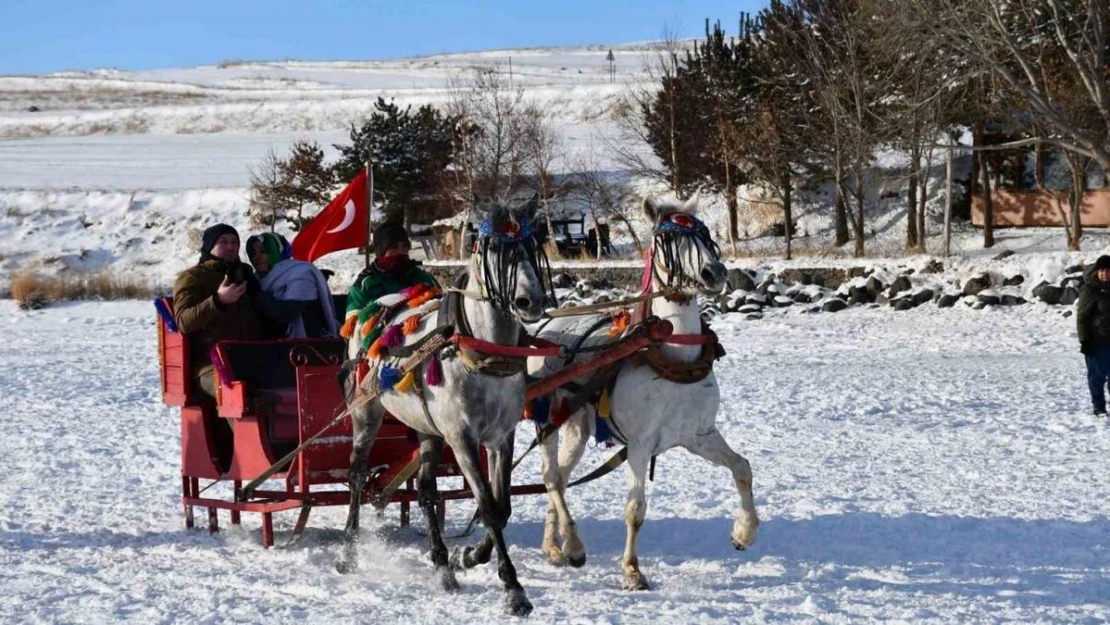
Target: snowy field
pixel 932 466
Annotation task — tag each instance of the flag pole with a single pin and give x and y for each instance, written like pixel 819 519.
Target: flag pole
pixel 369 210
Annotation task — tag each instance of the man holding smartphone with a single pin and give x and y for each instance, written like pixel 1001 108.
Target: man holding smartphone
pixel 214 300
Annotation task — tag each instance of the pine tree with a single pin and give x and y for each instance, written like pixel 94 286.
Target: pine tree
pixel 410 151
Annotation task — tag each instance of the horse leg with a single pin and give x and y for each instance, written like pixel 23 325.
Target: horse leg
pixel 499 468
pixel 715 449
pixel 466 455
pixel 365 421
pixel 431 448
pixel 558 462
pixel 634 512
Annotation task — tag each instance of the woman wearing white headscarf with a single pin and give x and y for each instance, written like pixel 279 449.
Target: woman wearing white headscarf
pixel 295 293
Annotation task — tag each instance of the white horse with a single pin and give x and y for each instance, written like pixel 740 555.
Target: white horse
pixel 472 406
pixel 650 413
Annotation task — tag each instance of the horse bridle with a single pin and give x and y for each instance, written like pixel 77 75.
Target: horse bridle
pixel 514 241
pixel 672 230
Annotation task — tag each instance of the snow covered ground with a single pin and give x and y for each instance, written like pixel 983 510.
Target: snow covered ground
pixel 931 466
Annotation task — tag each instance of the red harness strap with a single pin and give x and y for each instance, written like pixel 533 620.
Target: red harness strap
pixel 691 339
pixel 537 347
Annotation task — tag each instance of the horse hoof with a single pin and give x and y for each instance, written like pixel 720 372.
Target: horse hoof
pixel 738 545
pixel 635 582
pixel 516 604
pixel 344 566
pixel 445 577
pixel 576 561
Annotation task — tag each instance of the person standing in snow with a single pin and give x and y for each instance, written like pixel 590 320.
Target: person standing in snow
pixel 391 271
pixel 1092 315
pixel 295 294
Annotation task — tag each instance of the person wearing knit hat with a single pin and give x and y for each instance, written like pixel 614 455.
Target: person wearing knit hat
pixel 391 271
pixel 294 294
pixel 1092 317
pixel 214 300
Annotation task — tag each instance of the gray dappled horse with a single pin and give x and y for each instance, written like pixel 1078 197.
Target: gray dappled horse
pixel 472 407
pixel 650 412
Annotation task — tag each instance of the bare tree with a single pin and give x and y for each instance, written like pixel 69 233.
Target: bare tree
pixel 544 146
pixel 606 196
pixel 1011 40
pixel 269 198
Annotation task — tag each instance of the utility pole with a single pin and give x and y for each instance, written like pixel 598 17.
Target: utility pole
pixel 369 210
pixel 612 66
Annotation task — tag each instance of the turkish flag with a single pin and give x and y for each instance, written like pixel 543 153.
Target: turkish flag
pixel 341 225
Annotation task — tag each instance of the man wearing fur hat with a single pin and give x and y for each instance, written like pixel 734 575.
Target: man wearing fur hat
pixel 391 271
pixel 214 300
pixel 1092 314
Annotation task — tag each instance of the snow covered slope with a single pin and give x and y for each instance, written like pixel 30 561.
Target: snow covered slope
pixel 932 466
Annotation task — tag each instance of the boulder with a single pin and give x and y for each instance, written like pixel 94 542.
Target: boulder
pixel 1004 254
pixel 903 303
pixel 947 300
pixel 756 298
pixel 988 297
pixel 782 301
pixel 754 316
pixel 1012 300
pixel 749 308
pixel 564 281
pixel 1068 297
pixel 874 287
pixel 901 284
pixel 977 283
pixel 922 296
pixel 801 297
pixel 933 266
pixel 740 279
pixel 1013 280
pixel 859 295
pixel 834 304
pixel 1047 293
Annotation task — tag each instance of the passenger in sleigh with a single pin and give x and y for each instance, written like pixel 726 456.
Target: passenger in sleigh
pixel 391 272
pixel 294 293
pixel 215 300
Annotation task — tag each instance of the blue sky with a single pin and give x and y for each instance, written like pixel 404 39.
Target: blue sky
pixel 44 35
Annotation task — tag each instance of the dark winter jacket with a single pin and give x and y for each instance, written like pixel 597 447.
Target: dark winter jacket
pixel 1092 311
pixel 374 283
pixel 203 319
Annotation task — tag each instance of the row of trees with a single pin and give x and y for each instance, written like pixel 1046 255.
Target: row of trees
pixel 811 88
pixel 489 143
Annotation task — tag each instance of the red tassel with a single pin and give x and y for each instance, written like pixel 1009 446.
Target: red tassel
pixel 433 374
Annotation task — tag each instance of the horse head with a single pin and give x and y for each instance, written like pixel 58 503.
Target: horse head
pixel 510 261
pixel 684 256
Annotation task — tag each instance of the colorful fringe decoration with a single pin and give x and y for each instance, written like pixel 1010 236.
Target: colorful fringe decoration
pixel 165 311
pixel 541 410
pixel 348 327
pixel 375 351
pixel 561 413
pixel 413 291
pixel 423 298
pixel 388 377
pixel 369 325
pixel 411 324
pixel 601 431
pixel 220 366
pixel 433 374
pixel 369 311
pixel 393 336
pixel 620 322
pixel 407 383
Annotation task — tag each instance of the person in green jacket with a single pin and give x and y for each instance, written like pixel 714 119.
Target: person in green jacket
pixel 391 271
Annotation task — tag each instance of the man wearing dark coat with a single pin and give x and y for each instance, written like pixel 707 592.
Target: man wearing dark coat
pixel 1093 325
pixel 215 300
